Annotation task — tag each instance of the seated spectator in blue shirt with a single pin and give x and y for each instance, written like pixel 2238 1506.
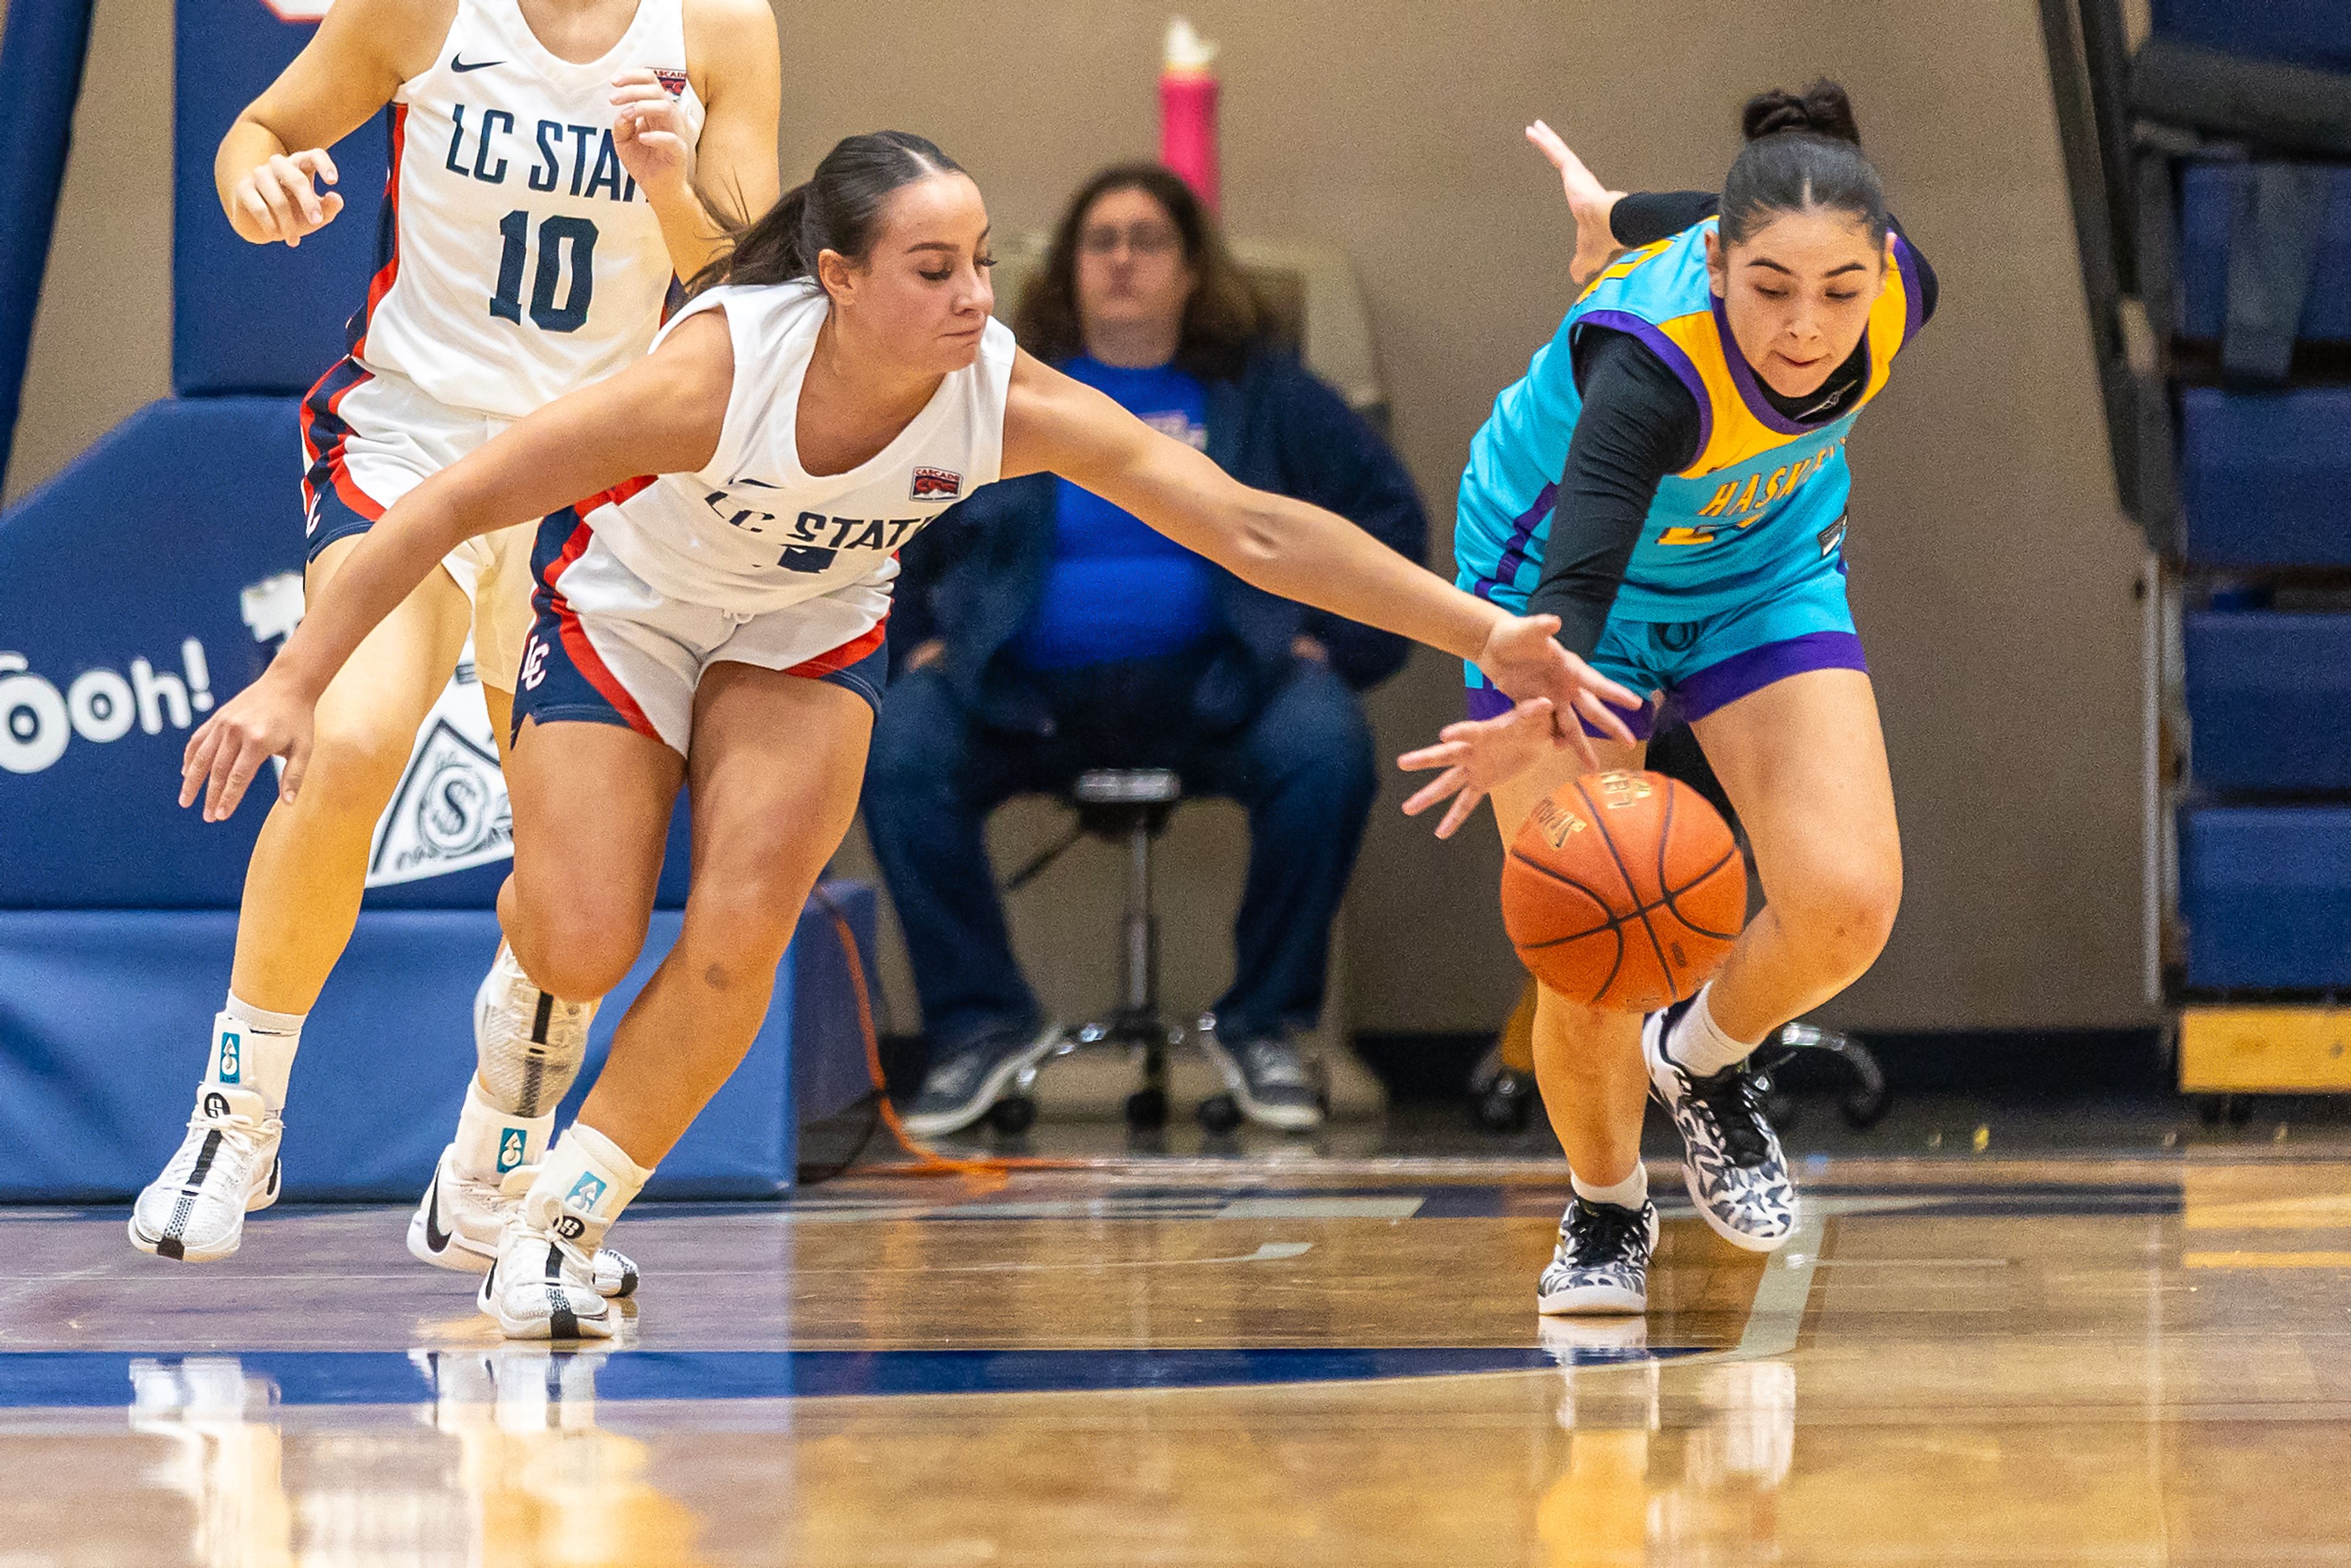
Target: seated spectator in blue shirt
pixel 1040 630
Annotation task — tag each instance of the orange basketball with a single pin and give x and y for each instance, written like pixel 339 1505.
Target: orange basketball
pixel 1623 891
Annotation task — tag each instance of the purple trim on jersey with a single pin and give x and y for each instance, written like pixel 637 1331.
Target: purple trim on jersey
pixel 1716 686
pixel 1666 348
pixel 1742 376
pixel 1514 551
pixel 1487 702
pixel 1907 261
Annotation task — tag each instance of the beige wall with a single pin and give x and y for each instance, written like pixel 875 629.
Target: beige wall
pixel 1992 573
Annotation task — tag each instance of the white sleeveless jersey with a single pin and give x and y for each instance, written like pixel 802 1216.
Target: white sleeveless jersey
pixel 523 261
pixel 753 532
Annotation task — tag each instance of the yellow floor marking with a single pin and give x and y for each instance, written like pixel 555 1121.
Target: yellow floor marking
pixel 2265 1260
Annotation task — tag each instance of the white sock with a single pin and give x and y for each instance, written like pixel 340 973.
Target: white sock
pixel 1697 1045
pixel 253 1048
pixel 583 1186
pixel 1630 1193
pixel 491 1142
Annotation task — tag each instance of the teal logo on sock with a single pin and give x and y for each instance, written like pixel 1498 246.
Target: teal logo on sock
pixel 232 1057
pixel 510 1149
pixel 585 1193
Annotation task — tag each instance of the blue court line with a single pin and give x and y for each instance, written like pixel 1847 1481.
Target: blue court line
pixel 81 1379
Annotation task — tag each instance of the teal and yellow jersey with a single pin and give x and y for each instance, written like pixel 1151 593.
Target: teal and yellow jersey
pixel 1761 508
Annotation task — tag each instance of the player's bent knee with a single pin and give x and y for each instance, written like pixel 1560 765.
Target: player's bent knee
pixel 577 949
pixel 354 768
pixel 1847 918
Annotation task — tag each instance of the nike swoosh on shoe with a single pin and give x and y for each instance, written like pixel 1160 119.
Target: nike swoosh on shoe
pixel 435 1236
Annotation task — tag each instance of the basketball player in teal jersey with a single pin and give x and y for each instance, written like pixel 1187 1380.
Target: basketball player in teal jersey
pixel 1670 479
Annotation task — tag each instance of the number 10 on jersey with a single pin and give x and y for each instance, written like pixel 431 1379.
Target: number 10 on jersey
pixel 561 239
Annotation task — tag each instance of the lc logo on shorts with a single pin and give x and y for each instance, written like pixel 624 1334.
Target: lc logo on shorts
pixel 585 1193
pixel 510 1147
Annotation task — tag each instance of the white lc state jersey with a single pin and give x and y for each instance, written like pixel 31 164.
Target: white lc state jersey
pixel 753 531
pixel 522 261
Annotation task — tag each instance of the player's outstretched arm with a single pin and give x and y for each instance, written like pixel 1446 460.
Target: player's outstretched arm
pixel 726 175
pixel 660 415
pixel 1059 426
pixel 269 162
pixel 1592 205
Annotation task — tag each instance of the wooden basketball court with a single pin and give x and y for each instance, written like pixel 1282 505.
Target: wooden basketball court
pixel 1967 1360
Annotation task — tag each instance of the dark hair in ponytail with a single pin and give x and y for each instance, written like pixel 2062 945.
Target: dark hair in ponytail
pixel 1803 151
pixel 835 211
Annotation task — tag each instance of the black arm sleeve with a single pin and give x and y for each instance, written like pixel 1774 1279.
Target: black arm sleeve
pixel 1645 217
pixel 1639 425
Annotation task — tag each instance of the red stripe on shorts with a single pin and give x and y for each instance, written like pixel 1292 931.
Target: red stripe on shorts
pixel 575 637
pixel 848 653
pixel 336 474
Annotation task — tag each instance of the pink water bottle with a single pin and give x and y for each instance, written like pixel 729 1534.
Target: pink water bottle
pixel 1187 110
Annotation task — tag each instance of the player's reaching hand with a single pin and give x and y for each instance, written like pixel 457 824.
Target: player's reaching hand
pixel 269 718
pixel 650 131
pixel 1521 657
pixel 1588 201
pixel 1478 755
pixel 278 199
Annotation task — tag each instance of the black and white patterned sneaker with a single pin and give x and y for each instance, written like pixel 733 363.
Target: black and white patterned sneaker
pixel 1269 1079
pixel 958 1090
pixel 1730 1156
pixel 1602 1262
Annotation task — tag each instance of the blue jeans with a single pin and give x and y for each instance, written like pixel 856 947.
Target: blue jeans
pixel 1301 767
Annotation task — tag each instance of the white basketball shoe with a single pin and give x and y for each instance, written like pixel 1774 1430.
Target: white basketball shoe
pixel 543 1284
pixel 226 1168
pixel 461 1222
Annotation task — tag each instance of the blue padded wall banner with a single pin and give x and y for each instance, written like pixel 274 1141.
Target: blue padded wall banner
pixel 104 1015
pixel 42 50
pixel 259 318
pixel 105 670
pixel 121 651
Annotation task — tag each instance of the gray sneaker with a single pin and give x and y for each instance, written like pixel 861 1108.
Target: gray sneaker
pixel 958 1090
pixel 1270 1079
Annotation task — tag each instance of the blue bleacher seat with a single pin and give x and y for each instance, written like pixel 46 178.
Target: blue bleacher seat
pixel 2297 32
pixel 2268 697
pixel 2265 478
pixel 2210 198
pixel 2266 894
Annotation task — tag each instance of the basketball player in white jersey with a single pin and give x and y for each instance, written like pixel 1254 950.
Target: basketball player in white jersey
pixel 717 620
pixel 541 204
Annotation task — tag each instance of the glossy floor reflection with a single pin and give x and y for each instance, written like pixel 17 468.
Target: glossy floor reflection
pixel 2030 1360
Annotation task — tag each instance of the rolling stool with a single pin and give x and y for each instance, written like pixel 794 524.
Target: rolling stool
pixel 1503 1100
pixel 1132 805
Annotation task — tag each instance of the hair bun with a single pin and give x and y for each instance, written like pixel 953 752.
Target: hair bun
pixel 1822 109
